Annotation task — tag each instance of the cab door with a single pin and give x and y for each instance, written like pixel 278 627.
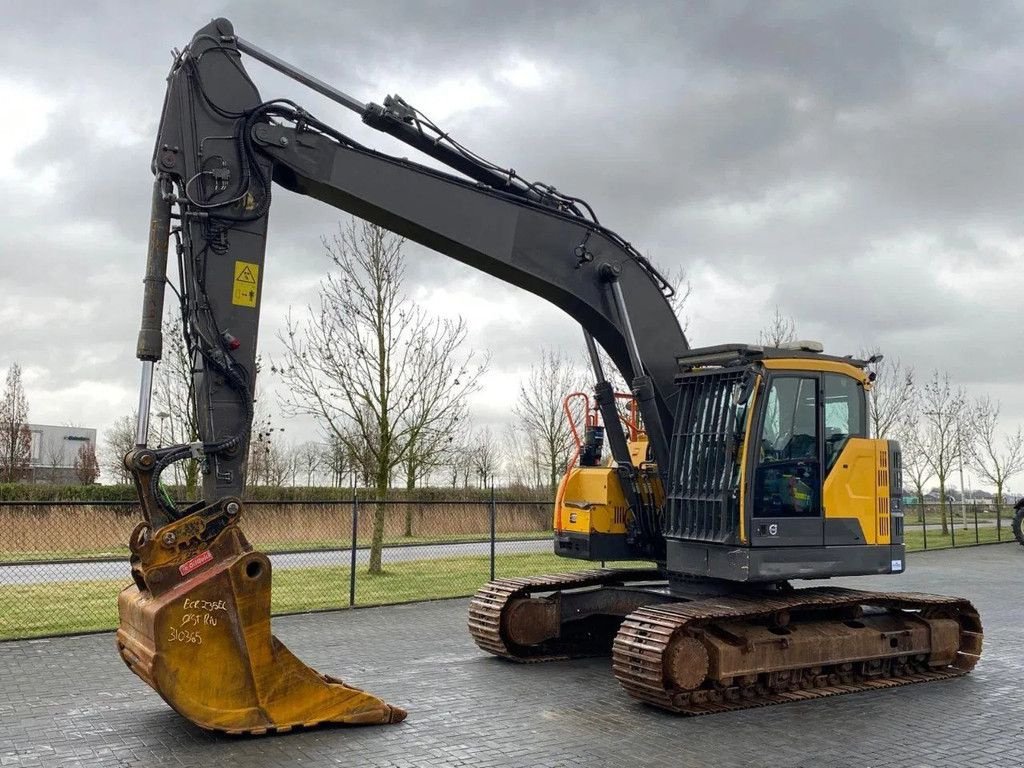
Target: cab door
pixel 786 508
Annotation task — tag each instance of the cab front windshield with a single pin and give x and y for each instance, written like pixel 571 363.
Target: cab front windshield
pixel 807 423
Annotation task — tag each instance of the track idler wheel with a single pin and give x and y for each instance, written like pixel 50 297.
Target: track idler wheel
pixel 197 630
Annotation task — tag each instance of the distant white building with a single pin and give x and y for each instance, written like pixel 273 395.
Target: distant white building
pixel 54 450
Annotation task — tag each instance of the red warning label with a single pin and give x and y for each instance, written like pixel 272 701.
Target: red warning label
pixel 196 562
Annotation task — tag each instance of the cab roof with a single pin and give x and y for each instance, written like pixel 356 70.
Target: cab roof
pixel 728 355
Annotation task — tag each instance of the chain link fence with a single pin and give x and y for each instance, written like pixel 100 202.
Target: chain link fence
pixel 63 563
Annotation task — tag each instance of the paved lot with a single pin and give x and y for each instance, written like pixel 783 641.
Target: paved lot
pixel 71 702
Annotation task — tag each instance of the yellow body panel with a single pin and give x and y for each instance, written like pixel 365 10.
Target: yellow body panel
pixel 858 487
pixel 748 430
pixel 591 501
pixel 638 449
pixel 826 366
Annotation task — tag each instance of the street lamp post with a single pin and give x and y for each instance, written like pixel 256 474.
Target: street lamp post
pixel 963 491
pixel 163 416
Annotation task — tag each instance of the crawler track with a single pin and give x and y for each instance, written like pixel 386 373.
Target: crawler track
pixel 487 606
pixel 639 651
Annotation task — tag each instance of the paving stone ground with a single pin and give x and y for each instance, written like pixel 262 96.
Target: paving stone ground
pixel 72 702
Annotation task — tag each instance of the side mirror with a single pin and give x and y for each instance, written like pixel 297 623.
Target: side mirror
pixel 741 394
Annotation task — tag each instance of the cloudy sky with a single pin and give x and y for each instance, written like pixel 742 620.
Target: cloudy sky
pixel 858 165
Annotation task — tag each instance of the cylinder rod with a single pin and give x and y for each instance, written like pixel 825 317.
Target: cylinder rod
pixel 150 344
pixel 595 358
pixel 145 397
pixel 627 326
pixel 295 73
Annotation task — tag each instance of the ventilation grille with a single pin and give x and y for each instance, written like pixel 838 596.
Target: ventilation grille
pixel 895 460
pixel 883 494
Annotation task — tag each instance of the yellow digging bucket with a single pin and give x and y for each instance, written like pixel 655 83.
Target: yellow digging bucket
pixel 196 627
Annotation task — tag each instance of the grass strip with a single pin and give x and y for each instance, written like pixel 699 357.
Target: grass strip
pixel 36 610
pixel 276 547
pixel 914 539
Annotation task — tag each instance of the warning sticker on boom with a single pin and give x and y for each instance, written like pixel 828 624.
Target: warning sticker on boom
pixel 247 275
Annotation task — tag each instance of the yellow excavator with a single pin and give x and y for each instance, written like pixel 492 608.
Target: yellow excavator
pixel 739 470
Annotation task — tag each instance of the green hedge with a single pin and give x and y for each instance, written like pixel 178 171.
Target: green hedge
pixel 33 492
pixel 29 492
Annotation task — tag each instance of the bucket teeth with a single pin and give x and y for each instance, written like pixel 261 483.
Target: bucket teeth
pixel 204 644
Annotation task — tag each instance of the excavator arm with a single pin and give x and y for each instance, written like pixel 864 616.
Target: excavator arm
pixel 219 152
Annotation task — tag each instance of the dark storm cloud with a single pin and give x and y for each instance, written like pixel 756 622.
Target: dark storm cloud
pixel 856 164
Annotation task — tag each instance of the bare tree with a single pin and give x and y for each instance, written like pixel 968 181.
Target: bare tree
pixel 995 460
pixel 682 289
pixel 539 411
pixel 337 462
pixel 781 329
pixel 311 458
pixel 891 395
pixel 265 456
pixel 484 456
pixel 521 458
pixel 459 463
pixel 377 372
pixel 174 403
pixel 278 466
pixel 361 455
pixel 943 409
pixel 87 468
pixel 433 417
pixel 119 440
pixel 916 467
pixel 15 437
pixel 53 455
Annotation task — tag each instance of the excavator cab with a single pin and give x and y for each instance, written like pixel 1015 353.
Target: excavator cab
pixel 772 475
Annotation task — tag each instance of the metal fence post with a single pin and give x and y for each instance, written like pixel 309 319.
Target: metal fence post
pixel 352 560
pixel 924 524
pixel 494 527
pixel 977 537
pixel 952 526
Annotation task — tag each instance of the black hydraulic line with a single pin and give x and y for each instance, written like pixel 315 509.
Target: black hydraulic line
pixel 396 123
pixel 604 394
pixel 388 122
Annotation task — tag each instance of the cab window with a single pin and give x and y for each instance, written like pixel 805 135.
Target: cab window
pixel 787 481
pixel 844 414
pixel 790 423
